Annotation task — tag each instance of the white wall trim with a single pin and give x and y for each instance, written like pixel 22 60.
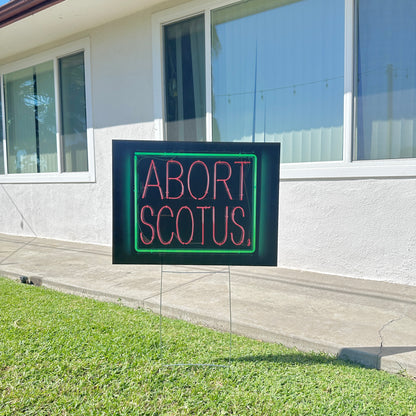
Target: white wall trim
pixel 3 124
pixel 58 120
pixel 358 169
pixel 88 110
pixel 66 177
pixel 157 60
pixel 53 55
pixel 208 78
pixel 348 80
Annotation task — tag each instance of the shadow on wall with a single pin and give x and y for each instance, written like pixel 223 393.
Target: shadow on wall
pixel 23 219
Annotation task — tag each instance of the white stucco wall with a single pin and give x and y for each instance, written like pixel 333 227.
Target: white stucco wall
pixel 360 228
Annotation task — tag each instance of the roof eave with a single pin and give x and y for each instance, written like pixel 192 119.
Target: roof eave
pixel 19 9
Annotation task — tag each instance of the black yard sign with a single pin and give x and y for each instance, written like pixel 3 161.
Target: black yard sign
pixel 195 203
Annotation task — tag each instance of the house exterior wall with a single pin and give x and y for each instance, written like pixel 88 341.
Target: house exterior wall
pixel 359 228
pixel 362 228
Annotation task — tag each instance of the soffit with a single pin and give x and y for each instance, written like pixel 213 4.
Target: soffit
pixel 64 20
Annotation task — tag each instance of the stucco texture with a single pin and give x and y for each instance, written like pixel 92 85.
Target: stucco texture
pixel 359 228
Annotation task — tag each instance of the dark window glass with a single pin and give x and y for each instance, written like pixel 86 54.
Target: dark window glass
pixel 73 113
pixel 184 72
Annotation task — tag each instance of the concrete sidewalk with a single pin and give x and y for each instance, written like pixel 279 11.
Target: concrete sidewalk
pixel 372 323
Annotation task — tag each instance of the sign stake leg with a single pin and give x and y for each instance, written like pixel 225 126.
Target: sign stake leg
pixel 231 318
pixel 160 313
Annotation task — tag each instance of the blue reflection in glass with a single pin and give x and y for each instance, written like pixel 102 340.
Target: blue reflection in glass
pixel 385 79
pixel 277 75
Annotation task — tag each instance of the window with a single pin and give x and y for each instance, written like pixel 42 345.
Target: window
pixel 277 75
pixel 29 101
pixel 385 122
pixel 184 44
pixel 45 131
pixel 334 81
pixel 73 113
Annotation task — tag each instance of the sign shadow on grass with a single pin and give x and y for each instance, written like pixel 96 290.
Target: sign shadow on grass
pixel 366 356
pixel 371 356
pixel 304 358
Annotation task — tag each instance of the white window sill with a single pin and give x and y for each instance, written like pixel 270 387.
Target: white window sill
pixel 349 170
pixel 51 177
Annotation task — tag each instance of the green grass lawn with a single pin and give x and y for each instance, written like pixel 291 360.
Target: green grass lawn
pixel 67 355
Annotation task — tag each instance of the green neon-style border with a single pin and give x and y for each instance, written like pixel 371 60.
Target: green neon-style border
pixel 176 250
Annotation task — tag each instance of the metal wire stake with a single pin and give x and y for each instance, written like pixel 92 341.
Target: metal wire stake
pixel 160 326
pixel 160 313
pixel 231 320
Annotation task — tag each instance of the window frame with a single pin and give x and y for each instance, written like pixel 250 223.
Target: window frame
pixel 53 55
pixel 346 168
